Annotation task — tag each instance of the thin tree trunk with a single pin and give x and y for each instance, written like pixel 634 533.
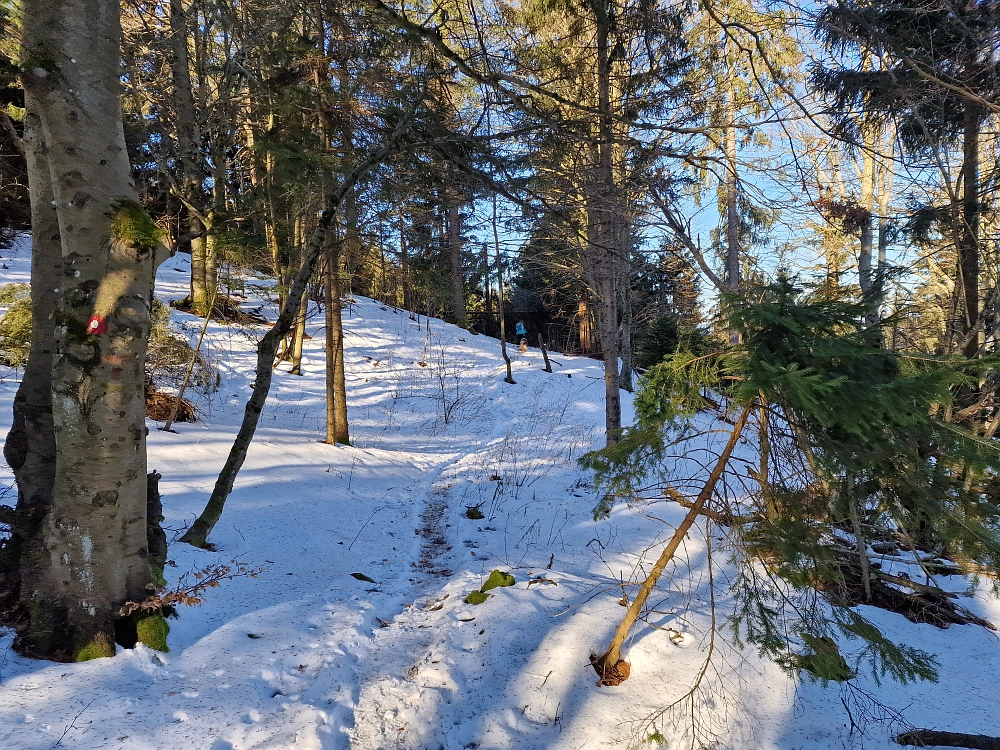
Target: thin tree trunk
pixel 503 325
pixel 607 665
pixel 299 334
pixel 732 194
pixel 404 262
pixel 625 328
pixel 454 222
pixel 585 326
pixel 868 180
pixel 487 298
pixel 188 138
pixel 969 245
pixel 545 354
pixel 329 301
pixel 337 430
pixel 197 534
pixel 732 188
pixel 187 373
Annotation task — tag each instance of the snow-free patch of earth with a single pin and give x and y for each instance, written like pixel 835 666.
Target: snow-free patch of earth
pixel 306 656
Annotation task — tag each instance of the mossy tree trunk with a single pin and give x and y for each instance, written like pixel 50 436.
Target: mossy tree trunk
pixel 78 446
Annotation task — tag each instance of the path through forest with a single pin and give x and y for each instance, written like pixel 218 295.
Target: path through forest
pixel 308 656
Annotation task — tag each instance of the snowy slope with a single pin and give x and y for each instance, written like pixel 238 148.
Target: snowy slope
pixel 306 656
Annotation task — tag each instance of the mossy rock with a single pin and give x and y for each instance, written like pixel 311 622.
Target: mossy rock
pixel 476 597
pixel 497 580
pixel 152 631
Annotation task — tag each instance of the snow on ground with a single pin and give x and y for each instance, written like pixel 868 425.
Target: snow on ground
pixel 307 656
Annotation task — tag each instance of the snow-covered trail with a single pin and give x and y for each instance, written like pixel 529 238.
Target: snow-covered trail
pixel 307 656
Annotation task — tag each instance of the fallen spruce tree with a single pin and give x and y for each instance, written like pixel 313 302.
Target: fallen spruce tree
pixel 840 468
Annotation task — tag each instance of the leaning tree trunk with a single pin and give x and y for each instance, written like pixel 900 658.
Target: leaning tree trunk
pixel 609 665
pixel 197 534
pixel 78 445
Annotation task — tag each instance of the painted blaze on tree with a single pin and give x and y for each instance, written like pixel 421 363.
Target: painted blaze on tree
pixel 79 548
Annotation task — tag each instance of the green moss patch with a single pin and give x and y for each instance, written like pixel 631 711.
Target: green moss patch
pixel 152 630
pixel 100 646
pixel 133 225
pixel 495 581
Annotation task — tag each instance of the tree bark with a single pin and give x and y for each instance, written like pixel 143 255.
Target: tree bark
pixel 188 136
pixel 199 282
pixel 299 334
pixel 82 519
pixel 503 325
pixel 868 180
pixel 583 323
pixel 601 211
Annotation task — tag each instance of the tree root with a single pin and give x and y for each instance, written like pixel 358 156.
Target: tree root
pixel 611 675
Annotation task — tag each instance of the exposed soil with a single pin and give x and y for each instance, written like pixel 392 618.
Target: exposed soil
pixel 159 406
pixel 433 542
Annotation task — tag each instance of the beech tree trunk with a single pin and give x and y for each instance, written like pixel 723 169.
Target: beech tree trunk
pixel 78 445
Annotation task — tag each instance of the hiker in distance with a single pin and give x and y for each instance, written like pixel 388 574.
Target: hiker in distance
pixel 522 334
